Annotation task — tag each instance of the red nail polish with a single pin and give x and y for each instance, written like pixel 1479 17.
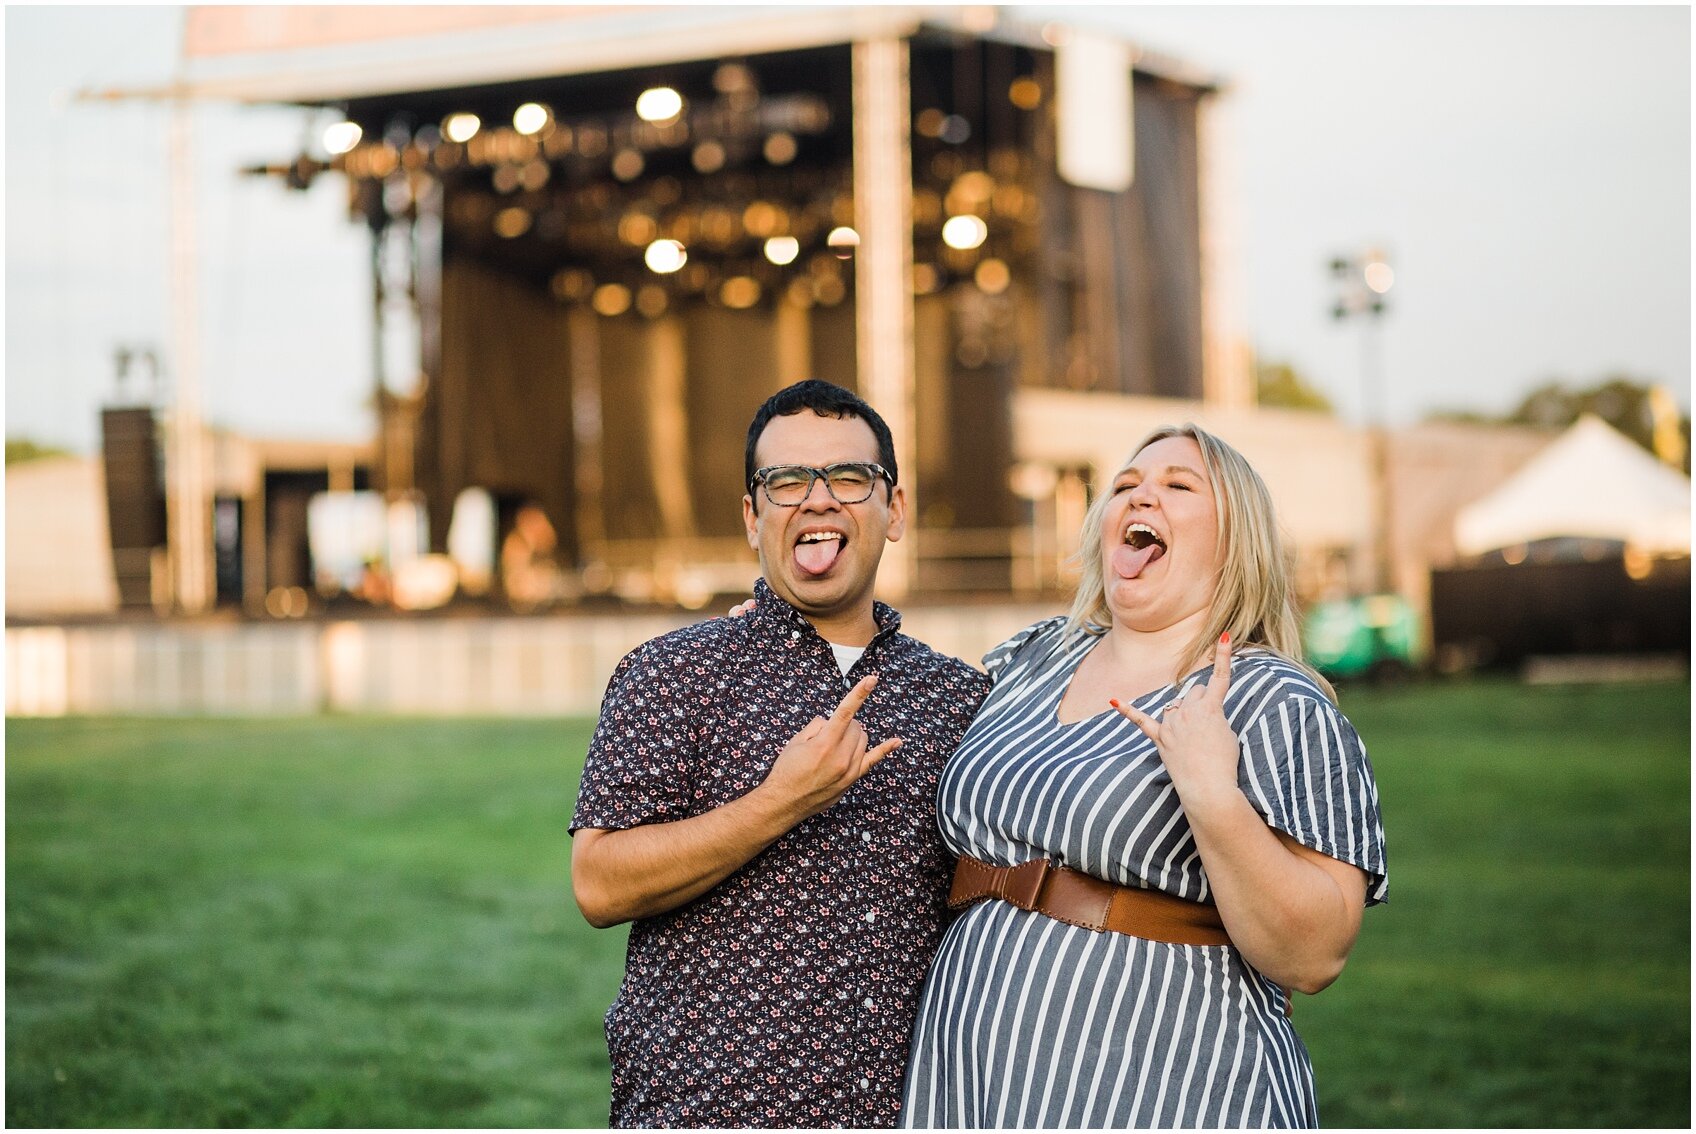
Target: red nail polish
pixel 1225 638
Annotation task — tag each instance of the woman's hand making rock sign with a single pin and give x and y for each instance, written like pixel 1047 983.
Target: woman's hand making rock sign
pixel 827 756
pixel 1292 911
pixel 1195 740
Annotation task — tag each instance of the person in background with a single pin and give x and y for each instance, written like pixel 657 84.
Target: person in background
pixel 1164 825
pixel 758 801
pixel 530 569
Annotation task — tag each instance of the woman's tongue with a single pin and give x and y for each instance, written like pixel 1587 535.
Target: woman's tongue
pixel 815 557
pixel 1128 561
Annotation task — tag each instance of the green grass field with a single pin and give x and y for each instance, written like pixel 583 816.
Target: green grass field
pixel 339 922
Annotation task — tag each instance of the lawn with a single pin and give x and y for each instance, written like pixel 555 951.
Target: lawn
pixel 357 922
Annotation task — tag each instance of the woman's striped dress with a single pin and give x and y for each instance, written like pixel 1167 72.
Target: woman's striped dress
pixel 1029 1022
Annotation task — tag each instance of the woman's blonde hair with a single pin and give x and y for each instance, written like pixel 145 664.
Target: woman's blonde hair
pixel 1253 598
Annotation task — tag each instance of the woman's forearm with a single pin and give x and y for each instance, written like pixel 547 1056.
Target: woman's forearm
pixel 1292 912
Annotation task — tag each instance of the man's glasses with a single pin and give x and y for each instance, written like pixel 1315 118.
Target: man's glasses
pixel 788 485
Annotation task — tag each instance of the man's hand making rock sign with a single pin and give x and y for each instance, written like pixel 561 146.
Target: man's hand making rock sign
pixel 826 757
pixel 647 870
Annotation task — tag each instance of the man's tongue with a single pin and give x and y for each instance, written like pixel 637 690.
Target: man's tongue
pixel 815 557
pixel 1128 561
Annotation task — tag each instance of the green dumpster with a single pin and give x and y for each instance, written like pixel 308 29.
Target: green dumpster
pixel 1374 636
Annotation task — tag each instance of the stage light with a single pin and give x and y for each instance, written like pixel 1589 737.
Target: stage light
pixel 611 300
pixel 992 276
pixel 512 223
pixel 572 284
pixel 761 219
pixel 651 300
pixel 591 140
pixel 708 157
pixel 448 155
pixel 964 232
pixel 739 292
pixel 659 105
pixel 665 190
pixel 665 256
pixel 781 148
pixel 973 187
pixel 342 137
pixel 1379 276
pixel 829 291
pixel 531 118
pixel 720 225
pixel 843 241
pixel 559 141
pixel 461 128
pixel 637 229
pixel 782 250
pixel 955 130
pixel 534 175
pixel 731 78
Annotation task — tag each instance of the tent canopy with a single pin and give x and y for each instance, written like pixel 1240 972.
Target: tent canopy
pixel 1593 482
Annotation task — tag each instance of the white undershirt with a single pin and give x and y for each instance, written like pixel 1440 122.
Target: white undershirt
pixel 846 656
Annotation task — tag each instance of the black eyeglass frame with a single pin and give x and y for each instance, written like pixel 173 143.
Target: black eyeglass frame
pixel 815 474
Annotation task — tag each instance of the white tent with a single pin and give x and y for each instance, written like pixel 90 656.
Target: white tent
pixel 1592 482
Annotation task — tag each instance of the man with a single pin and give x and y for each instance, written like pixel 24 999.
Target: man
pixel 759 800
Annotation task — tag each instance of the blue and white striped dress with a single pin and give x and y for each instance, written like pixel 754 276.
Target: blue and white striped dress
pixel 1029 1022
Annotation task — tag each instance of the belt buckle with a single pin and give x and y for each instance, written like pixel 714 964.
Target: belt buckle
pixel 1026 891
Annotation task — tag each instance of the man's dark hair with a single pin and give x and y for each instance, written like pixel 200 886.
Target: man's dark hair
pixel 826 400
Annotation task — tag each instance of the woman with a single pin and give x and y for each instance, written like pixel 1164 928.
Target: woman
pixel 1199 840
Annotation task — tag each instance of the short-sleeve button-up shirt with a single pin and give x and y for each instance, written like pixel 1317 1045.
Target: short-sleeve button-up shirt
pixel 784 996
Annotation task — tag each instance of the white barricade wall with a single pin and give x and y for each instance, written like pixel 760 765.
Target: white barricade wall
pixel 535 666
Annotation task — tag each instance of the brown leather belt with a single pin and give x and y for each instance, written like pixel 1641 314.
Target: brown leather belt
pixel 1080 899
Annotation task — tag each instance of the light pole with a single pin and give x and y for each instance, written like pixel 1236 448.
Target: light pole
pixel 1363 280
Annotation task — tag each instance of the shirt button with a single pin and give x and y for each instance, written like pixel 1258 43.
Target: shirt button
pixel 871 915
pixel 794 633
pixel 865 836
pixel 865 1084
pixel 870 1004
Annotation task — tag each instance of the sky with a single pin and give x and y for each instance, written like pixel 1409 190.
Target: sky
pixel 1526 169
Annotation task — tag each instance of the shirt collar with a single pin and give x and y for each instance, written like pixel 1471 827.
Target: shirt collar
pixel 774 612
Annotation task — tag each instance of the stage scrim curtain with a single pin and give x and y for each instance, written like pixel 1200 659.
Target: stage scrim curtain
pixel 499 415
pixel 1161 225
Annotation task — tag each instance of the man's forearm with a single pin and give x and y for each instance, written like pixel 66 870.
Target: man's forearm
pixel 649 870
pixel 618 876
